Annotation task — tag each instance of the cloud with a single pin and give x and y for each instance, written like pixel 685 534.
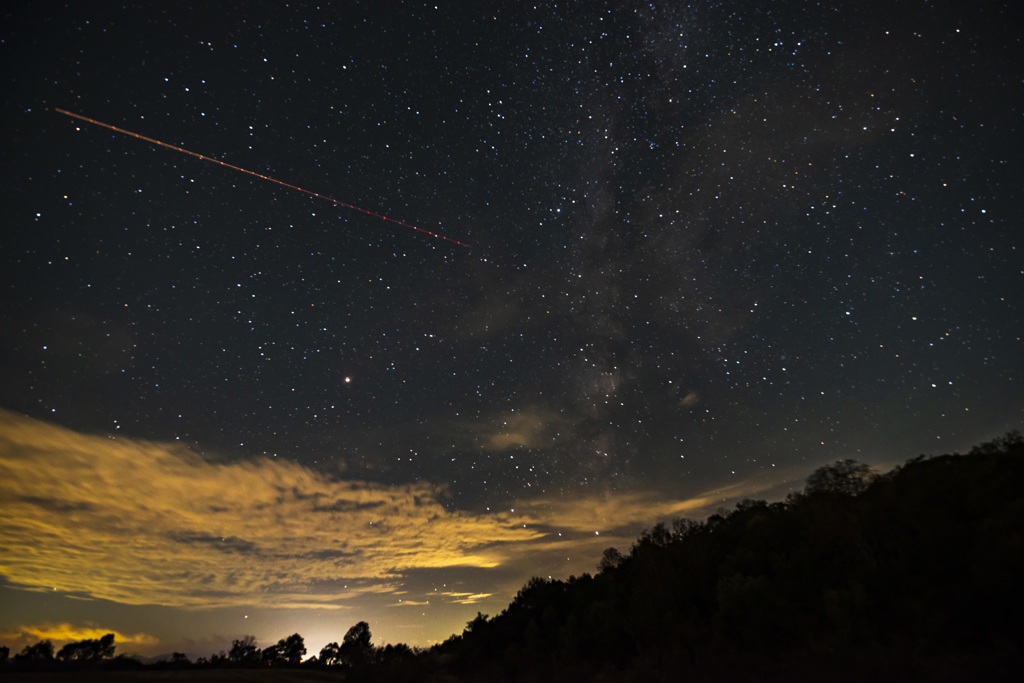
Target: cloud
pixel 466 598
pixel 626 509
pixel 532 427
pixel 590 514
pixel 148 523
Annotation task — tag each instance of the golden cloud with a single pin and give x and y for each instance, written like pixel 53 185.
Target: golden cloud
pixel 466 598
pixel 140 522
pixel 149 523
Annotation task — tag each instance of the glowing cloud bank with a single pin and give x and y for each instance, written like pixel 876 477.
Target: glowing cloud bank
pixel 146 523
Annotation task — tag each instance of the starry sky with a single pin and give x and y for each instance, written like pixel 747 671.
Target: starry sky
pixel 641 260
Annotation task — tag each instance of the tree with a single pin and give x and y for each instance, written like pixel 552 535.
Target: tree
pixel 397 652
pixel 847 477
pixel 244 651
pixel 71 652
pixel 40 652
pixel 292 648
pixel 475 624
pixel 272 654
pixel 88 650
pixel 330 654
pixel 1006 443
pixel 105 649
pixel 611 559
pixel 356 648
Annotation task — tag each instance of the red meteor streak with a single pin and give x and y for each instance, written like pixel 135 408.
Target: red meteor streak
pixel 258 175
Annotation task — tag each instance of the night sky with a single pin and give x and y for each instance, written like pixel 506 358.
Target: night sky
pixel 711 247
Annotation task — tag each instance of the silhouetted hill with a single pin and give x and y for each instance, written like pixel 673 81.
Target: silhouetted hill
pixel 910 575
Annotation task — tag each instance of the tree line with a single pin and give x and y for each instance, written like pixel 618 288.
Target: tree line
pixel 913 574
pixel 82 652
pixel 356 652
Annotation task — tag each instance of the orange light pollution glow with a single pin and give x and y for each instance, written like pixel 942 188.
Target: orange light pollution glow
pixel 133 522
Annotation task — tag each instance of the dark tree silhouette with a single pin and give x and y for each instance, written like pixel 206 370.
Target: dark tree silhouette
pixel 330 654
pixel 292 648
pixel 847 477
pixel 611 559
pixel 477 622
pixel 356 649
pixel 396 653
pixel 89 650
pixel 40 652
pixel 272 654
pixel 71 652
pixel 244 651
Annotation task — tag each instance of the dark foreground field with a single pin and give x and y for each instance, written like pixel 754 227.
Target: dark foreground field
pixel 190 675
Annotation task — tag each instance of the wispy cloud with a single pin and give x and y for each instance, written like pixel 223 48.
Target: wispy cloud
pixel 148 523
pixel 615 511
pixel 531 427
pixel 466 598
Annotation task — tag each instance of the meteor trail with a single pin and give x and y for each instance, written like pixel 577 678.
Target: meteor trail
pixel 258 175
